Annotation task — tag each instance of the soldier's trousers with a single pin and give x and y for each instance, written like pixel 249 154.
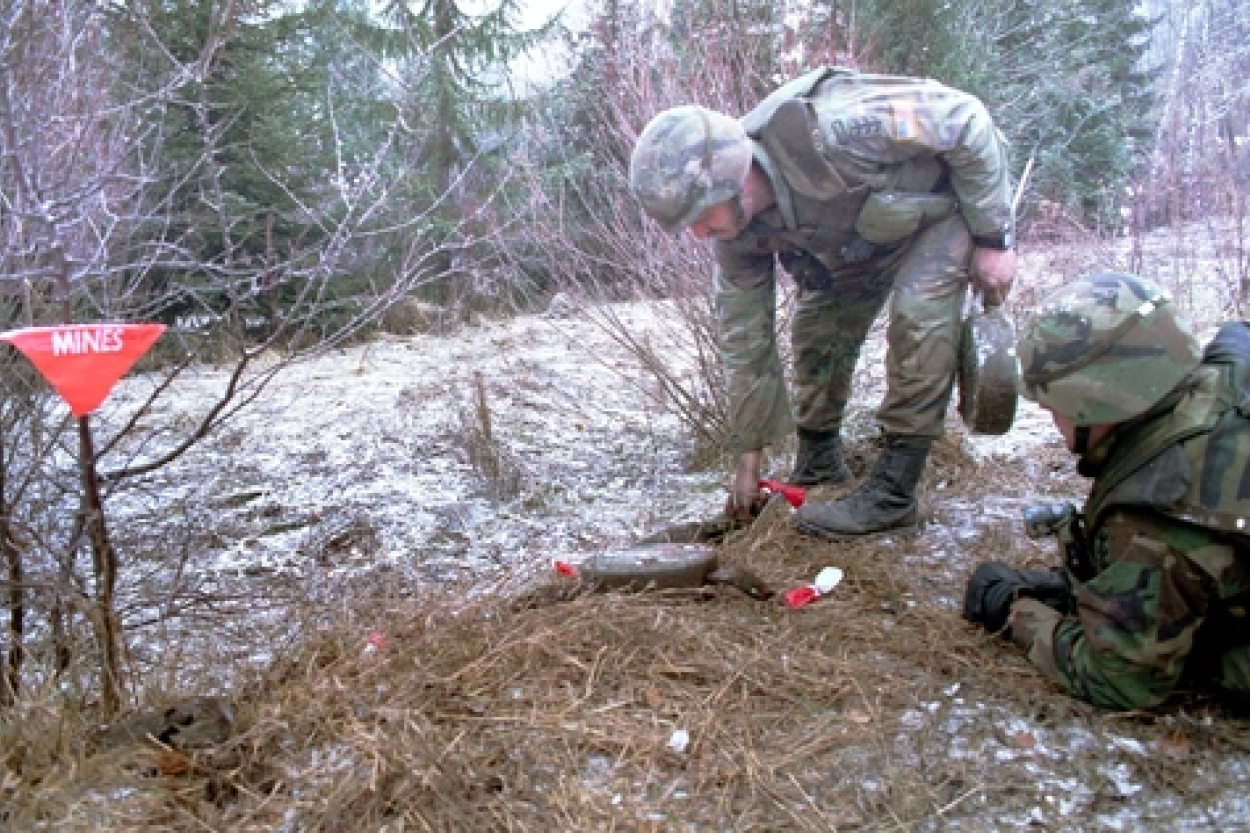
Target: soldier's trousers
pixel 927 281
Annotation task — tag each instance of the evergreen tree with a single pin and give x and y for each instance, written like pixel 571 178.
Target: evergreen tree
pixel 263 120
pixel 1064 80
pixel 1072 92
pixel 923 38
pixel 729 51
pixel 455 68
pixel 234 138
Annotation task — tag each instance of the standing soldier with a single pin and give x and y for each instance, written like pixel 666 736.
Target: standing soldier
pixel 1156 577
pixel 861 186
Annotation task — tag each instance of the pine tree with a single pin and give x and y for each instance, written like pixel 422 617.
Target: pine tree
pixel 234 138
pixel 456 94
pixel 1064 79
pixel 729 50
pixel 914 37
pixel 1069 88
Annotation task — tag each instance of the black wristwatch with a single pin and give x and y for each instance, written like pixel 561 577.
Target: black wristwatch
pixel 1003 240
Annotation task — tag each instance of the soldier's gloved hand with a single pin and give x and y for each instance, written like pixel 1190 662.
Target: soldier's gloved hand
pixel 859 250
pixel 994 587
pixel 989 595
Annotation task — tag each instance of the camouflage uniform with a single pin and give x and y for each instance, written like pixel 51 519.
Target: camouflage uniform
pixel 1160 596
pixel 909 165
pixel 1167 605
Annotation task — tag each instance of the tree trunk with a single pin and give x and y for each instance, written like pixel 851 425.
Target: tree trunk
pixel 104 562
pixel 11 665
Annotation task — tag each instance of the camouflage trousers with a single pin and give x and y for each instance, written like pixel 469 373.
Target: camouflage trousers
pixel 926 282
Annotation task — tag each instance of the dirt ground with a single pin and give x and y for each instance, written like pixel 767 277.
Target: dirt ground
pixel 365 584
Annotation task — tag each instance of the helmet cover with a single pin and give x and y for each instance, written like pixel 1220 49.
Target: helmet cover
pixel 688 159
pixel 1105 348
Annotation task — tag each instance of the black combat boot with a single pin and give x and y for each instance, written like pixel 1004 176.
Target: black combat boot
pixel 885 502
pixel 819 460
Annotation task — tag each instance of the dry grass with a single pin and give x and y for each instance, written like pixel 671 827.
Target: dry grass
pixel 541 707
pixel 536 706
pixel 557 716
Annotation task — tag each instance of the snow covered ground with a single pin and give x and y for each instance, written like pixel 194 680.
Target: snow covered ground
pixel 362 462
pixel 379 442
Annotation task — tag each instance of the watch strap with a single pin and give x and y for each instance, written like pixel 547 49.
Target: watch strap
pixel 1000 240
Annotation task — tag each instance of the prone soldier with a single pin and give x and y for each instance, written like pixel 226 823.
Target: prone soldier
pixel 1155 582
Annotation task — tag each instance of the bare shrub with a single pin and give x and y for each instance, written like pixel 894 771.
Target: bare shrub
pixel 600 250
pixel 1196 179
pixel 500 471
pixel 92 229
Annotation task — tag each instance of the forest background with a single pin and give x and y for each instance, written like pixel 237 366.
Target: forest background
pixel 276 180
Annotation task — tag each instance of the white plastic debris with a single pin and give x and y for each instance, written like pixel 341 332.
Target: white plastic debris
pixel 1130 745
pixel 827 579
pixel 679 741
pixel 804 594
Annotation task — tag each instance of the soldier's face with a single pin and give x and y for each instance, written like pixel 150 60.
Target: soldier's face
pixel 1067 427
pixel 718 222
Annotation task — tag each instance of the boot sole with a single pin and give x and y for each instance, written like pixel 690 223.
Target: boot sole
pixel 905 531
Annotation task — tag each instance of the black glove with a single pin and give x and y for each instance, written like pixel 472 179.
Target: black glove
pixel 994 587
pixel 859 250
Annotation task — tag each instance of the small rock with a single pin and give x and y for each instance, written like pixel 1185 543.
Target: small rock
pixel 194 722
pixel 561 306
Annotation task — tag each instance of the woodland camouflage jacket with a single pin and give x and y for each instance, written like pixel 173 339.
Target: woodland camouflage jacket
pixel 844 153
pixel 1168 518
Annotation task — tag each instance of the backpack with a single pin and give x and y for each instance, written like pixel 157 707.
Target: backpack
pixel 1192 461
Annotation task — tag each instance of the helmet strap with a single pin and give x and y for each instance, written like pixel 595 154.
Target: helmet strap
pixel 739 212
pixel 1080 440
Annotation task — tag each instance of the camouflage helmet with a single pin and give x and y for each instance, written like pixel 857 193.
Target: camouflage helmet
pixel 1104 349
pixel 687 160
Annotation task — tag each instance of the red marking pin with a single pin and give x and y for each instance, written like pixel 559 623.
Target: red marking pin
pixel 794 495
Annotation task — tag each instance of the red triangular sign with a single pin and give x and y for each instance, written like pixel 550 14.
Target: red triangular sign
pixel 83 361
